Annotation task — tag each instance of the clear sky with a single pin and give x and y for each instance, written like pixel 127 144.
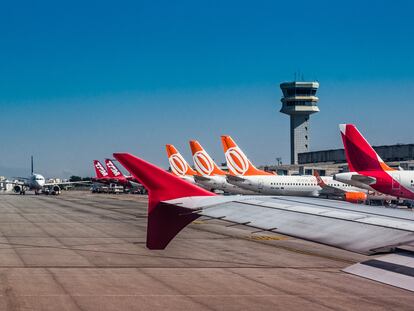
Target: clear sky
pixel 80 80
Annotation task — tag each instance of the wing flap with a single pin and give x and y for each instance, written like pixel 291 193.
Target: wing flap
pixel 394 269
pixel 360 231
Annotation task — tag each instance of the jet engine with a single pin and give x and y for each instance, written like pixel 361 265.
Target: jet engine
pixel 355 197
pixel 17 189
pixel 55 190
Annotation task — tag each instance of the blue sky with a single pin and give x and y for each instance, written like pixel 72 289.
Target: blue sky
pixel 81 80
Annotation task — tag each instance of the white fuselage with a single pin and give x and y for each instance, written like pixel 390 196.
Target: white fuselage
pixel 219 182
pixel 35 182
pixel 289 185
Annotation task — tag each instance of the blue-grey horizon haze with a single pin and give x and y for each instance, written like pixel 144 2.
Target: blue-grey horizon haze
pixel 81 80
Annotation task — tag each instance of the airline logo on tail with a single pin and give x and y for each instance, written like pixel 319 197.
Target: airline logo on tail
pixel 204 164
pixel 178 165
pixel 237 161
pixel 113 168
pixel 100 169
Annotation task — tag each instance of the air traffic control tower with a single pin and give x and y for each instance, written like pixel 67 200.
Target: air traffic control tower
pixel 299 101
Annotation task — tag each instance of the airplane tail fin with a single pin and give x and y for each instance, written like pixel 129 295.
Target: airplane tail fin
pixel 203 163
pixel 237 162
pixel 113 171
pixel 359 153
pixel 178 164
pixel 99 169
pixel 165 221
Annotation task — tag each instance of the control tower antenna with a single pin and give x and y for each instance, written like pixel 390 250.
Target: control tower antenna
pixel 299 101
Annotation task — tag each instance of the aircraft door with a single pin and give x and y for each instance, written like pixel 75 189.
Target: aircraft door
pixel 260 185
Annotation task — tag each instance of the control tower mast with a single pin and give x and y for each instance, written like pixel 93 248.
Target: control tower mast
pixel 299 101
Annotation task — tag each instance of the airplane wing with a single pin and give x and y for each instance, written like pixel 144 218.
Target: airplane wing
pixel 67 183
pixel 174 203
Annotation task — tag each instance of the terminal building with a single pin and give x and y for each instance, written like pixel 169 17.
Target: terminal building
pixel 329 162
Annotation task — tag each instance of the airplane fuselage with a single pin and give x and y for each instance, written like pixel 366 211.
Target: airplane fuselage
pixel 396 183
pixel 288 185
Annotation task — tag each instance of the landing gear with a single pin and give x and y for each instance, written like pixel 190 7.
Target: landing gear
pixel 37 192
pixel 23 192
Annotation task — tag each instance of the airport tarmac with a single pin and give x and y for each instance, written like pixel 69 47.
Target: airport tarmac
pixel 83 251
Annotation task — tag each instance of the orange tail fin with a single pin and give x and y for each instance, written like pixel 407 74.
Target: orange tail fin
pixel 203 163
pixel 178 164
pixel 237 162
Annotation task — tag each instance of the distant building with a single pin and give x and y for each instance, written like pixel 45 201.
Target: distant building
pixel 391 153
pixel 329 162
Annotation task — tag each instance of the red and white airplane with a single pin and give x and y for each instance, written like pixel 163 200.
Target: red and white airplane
pixel 102 175
pixel 210 175
pixel 367 170
pixel 117 177
pixel 245 175
pixel 174 203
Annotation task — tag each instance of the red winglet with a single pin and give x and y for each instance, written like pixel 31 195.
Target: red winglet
pixel 164 221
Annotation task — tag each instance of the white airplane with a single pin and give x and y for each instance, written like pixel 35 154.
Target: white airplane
pixel 38 184
pixel 245 175
pixel 174 203
pixel 210 175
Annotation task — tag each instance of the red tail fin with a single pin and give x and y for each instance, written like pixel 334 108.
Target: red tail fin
pixel 113 171
pixel 359 153
pixel 99 169
pixel 164 221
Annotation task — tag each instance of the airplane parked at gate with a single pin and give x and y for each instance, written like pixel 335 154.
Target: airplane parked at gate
pixel 179 166
pixel 367 169
pixel 117 177
pixel 245 175
pixel 211 176
pixel 102 175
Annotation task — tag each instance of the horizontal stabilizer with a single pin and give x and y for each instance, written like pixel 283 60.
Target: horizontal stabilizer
pixel 201 178
pixel 233 178
pixel 364 179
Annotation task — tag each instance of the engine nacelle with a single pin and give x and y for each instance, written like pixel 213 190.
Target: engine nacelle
pixel 55 190
pixel 355 197
pixel 17 188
